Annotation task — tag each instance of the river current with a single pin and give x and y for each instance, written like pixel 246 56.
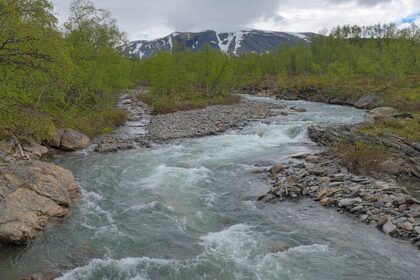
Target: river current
pixel 188 210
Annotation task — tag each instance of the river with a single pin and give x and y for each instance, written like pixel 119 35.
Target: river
pixel 188 210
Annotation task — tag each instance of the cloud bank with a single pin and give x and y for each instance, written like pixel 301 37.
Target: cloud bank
pixel 149 19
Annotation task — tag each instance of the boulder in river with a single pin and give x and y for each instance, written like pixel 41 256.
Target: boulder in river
pixel 67 140
pixel 280 247
pixel 33 194
pixel 73 140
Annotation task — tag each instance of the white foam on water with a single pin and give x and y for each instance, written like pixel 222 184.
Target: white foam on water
pixel 237 252
pixel 154 205
pixel 164 175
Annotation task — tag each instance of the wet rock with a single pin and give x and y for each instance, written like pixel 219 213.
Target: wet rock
pixel 349 201
pixel 33 194
pixel 298 109
pixel 73 140
pixel 281 247
pixel 407 226
pixel 276 168
pixel 389 228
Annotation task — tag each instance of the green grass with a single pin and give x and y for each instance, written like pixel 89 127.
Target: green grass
pixel 405 128
pixel 169 104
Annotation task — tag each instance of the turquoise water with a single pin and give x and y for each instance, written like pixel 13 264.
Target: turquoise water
pixel 188 210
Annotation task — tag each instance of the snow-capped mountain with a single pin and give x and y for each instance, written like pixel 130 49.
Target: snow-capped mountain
pixel 234 43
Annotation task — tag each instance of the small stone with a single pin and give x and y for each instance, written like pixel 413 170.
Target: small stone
pixel 299 109
pixel 349 201
pixel 403 207
pixel 356 209
pixel 317 170
pixel 417 229
pixel 371 198
pixel 324 201
pixel 277 168
pixel 389 228
pixel 407 226
pixel 363 218
pixel 325 180
pixel 312 158
pixel 322 193
pixel 313 189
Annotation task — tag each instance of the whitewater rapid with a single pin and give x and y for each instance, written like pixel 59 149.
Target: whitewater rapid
pixel 188 210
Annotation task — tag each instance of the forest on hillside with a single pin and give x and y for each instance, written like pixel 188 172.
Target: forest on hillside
pixel 70 76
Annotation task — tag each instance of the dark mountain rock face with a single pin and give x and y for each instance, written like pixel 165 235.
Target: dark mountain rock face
pixel 233 43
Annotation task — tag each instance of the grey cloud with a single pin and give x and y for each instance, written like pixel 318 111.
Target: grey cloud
pixel 139 16
pixel 362 2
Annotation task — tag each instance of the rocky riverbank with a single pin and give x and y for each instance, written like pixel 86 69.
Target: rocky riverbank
pixel 208 121
pixel 145 130
pixel 384 204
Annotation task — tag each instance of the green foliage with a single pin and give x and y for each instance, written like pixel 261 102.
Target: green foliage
pixel 407 128
pixel 361 157
pixel 54 79
pixel 193 101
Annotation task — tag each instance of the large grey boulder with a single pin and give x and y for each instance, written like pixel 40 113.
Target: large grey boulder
pixel 32 195
pixel 369 101
pixel 73 140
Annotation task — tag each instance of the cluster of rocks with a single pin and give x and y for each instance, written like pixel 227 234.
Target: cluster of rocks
pixel 133 134
pixel 68 140
pixel 385 204
pixel 208 121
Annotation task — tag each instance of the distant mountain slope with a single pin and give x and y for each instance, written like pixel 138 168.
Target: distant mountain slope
pixel 234 43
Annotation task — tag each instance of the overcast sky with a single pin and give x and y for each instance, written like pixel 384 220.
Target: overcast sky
pixel 150 19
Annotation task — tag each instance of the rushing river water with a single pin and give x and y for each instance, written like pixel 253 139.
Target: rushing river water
pixel 188 210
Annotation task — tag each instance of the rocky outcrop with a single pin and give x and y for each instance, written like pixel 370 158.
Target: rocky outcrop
pixel 406 154
pixel 386 205
pixel 387 113
pixel 32 195
pixel 68 140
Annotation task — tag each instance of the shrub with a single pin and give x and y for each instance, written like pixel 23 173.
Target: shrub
pixel 361 157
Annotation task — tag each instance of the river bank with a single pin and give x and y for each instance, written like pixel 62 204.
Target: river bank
pixel 145 130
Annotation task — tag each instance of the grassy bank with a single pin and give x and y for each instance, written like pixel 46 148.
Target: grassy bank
pixel 164 105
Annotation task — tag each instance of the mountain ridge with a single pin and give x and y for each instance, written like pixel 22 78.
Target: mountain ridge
pixel 237 42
